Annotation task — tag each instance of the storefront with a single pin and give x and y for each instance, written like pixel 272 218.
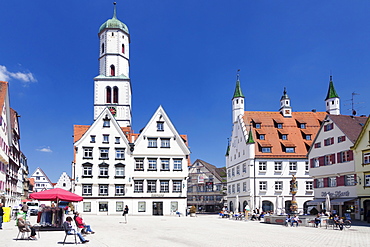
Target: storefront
pixel 346 206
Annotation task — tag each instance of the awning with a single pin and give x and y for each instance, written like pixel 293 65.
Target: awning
pixel 316 201
pixel 340 201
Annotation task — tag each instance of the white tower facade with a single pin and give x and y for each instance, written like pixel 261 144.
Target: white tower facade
pixel 332 100
pixel 112 87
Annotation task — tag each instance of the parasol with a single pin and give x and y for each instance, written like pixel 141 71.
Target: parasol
pixel 56 195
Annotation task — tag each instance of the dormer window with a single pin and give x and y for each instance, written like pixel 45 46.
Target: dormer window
pixel 262 137
pixel 284 137
pixel 257 125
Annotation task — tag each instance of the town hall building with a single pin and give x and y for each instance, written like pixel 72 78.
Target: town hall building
pixel 113 166
pixel 266 149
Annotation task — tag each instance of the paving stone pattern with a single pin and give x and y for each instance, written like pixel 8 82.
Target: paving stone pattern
pixel 204 230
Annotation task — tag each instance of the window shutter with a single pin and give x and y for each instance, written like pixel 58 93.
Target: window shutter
pixel 350 154
pixel 321 161
pixel 326 182
pixel 340 181
pixel 332 140
pixel 339 157
pixel 315 183
pixel 343 138
pixel 332 158
pixel 312 163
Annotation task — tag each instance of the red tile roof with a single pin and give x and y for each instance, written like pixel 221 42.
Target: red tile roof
pixel 291 128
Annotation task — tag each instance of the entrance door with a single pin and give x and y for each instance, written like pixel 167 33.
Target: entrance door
pixel 157 208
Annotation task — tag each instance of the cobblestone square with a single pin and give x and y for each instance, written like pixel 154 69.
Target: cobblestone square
pixel 203 230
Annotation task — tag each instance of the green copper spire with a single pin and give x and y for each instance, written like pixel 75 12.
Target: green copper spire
pixel 331 92
pixel 114 22
pixel 238 91
pixel 228 147
pixel 250 136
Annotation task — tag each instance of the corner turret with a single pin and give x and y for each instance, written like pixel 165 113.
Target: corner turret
pixel 332 100
pixel 238 100
pixel 285 108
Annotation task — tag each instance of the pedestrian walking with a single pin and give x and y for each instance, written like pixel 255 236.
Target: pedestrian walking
pixel 125 213
pixel 1 216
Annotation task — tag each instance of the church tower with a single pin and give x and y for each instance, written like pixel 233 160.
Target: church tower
pixel 112 87
pixel 285 108
pixel 238 100
pixel 332 100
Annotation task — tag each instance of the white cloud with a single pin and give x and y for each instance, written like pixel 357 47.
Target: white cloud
pixel 25 77
pixel 45 150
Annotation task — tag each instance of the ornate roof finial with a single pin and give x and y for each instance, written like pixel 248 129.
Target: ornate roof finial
pixel 114 11
pixel 238 91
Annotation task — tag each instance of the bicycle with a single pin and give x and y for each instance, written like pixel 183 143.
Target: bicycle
pixel 347 223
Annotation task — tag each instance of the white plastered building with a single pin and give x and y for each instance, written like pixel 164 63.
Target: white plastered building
pixel 114 166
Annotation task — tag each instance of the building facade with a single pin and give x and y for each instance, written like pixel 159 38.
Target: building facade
pixel 265 150
pixel 206 187
pixel 361 155
pixel 113 166
pixel 64 182
pixel 332 164
pixel 42 182
pixel 11 158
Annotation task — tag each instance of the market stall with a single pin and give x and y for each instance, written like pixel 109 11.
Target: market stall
pixel 51 217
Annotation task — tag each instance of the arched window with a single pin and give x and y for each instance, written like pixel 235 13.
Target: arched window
pixel 112 70
pixel 109 95
pixel 115 94
pixel 123 48
pixel 102 48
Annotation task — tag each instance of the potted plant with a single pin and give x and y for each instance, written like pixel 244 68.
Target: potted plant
pixel 192 211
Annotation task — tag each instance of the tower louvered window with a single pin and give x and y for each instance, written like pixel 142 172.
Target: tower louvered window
pixel 123 48
pixel 112 70
pixel 115 94
pixel 109 95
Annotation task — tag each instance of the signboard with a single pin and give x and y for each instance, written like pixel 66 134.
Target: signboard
pixel 200 179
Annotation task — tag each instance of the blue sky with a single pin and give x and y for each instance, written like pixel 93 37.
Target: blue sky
pixel 184 56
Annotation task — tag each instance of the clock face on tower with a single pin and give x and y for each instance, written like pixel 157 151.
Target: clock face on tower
pixel 113 110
